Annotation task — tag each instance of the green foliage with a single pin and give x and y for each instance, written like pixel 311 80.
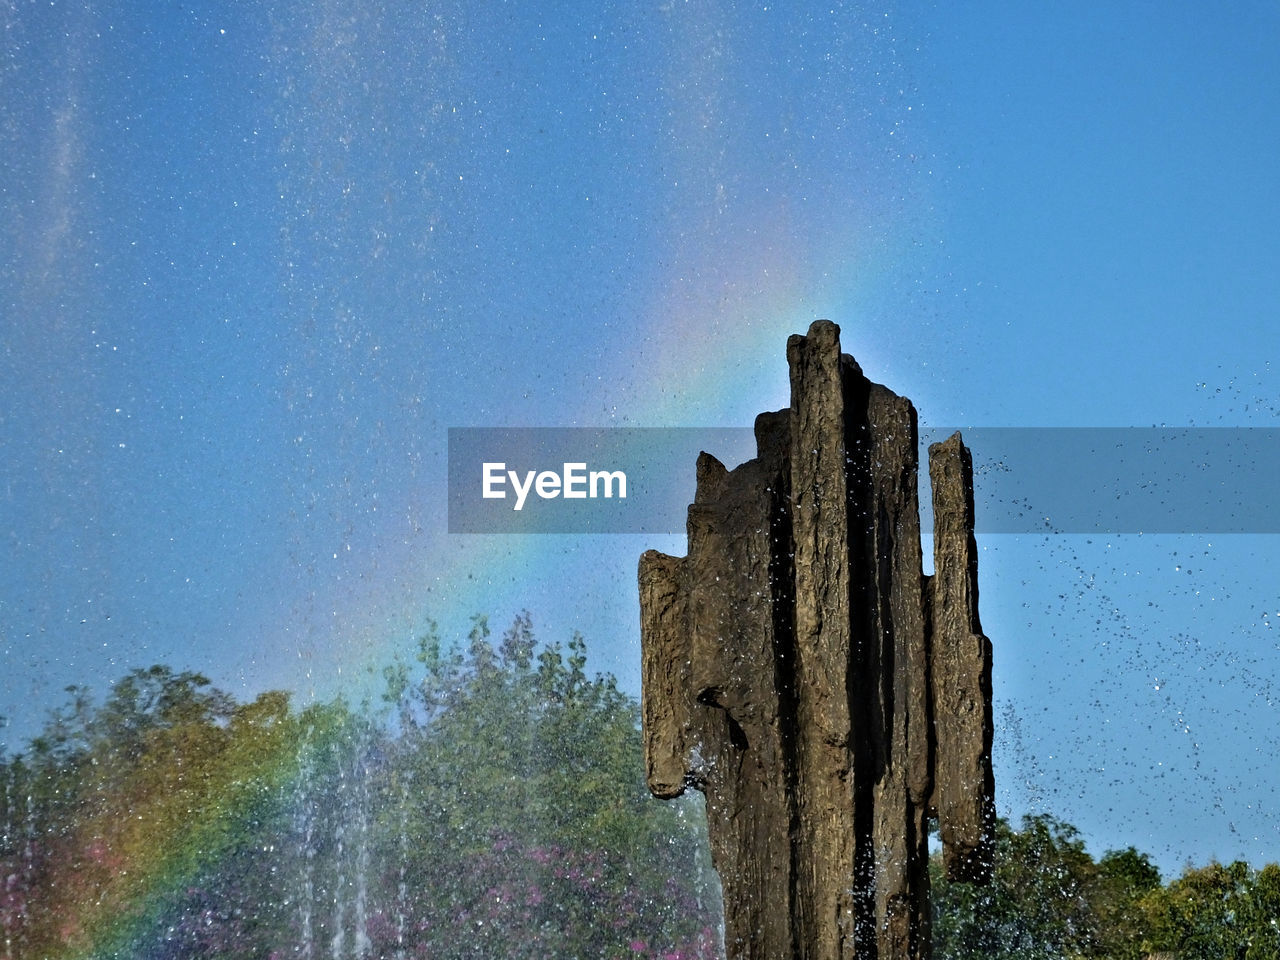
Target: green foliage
pixel 496 808
pixel 1050 898
pixel 1038 904
pixel 514 756
pixel 1124 878
pixel 1218 912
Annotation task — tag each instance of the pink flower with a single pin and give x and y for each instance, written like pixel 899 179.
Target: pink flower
pixel 539 855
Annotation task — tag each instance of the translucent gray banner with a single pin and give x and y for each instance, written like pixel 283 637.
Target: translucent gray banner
pixel 1026 479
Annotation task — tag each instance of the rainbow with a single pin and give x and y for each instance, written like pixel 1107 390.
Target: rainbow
pixel 742 274
pixel 187 805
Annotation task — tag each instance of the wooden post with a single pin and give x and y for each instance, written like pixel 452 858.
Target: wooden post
pixel 825 695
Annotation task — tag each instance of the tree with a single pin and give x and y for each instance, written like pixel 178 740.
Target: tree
pixel 496 808
pixel 1222 912
pixel 1124 878
pixel 524 777
pixel 1038 904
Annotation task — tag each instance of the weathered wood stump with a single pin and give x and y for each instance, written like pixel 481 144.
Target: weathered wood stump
pixel 825 695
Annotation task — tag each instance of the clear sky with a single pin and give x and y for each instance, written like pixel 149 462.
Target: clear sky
pixel 256 259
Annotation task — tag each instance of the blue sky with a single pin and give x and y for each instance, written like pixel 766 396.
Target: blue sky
pixel 256 261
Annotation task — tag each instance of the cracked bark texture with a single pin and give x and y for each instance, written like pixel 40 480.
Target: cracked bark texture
pixel 801 671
